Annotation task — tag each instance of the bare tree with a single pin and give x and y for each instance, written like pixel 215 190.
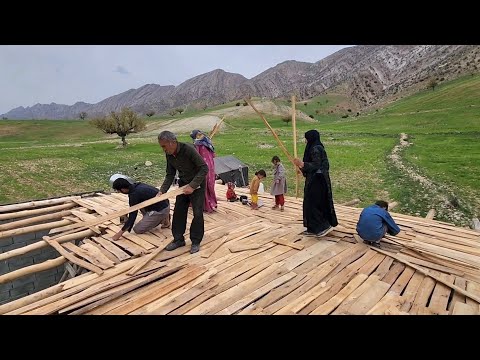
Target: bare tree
pixel 122 123
pixel 82 115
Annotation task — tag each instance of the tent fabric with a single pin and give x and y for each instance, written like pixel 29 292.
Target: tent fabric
pixel 230 169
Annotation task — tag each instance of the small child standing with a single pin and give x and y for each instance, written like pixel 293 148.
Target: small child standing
pixel 254 185
pixel 279 186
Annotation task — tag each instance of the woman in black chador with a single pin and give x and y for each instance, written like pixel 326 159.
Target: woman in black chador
pixel 318 211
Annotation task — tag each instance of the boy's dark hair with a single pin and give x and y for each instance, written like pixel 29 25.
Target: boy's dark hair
pixel 261 172
pixel 120 184
pixel 382 204
pixel 275 158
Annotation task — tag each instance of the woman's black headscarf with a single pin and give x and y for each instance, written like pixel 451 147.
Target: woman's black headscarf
pixel 313 139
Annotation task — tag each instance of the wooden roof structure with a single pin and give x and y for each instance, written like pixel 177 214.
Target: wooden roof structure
pixel 250 262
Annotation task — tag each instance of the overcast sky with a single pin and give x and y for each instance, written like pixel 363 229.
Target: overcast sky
pixel 65 74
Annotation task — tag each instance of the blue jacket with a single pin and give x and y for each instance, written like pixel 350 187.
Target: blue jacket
pixel 371 223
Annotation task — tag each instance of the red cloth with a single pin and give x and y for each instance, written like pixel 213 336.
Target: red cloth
pixel 279 200
pixel 210 197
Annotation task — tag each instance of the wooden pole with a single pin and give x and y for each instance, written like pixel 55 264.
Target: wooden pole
pixel 215 128
pixel 33 228
pixel 287 154
pixel 42 243
pixel 25 213
pixel 34 204
pixel 48 264
pixel 431 214
pixel 294 127
pixel 36 219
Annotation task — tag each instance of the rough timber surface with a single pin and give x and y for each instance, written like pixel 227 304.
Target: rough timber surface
pixel 250 262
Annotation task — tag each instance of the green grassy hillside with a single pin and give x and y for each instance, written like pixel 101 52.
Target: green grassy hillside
pixel 52 158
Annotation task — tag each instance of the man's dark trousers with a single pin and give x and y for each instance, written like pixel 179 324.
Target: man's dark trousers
pixel 179 223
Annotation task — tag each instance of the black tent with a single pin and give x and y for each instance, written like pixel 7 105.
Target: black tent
pixel 230 169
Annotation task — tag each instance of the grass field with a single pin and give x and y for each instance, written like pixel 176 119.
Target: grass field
pixel 53 158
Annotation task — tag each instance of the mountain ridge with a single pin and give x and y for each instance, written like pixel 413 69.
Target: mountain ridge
pixel 367 74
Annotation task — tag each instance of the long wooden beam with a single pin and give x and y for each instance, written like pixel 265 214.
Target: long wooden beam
pixel 287 154
pixel 48 264
pixel 34 204
pixel 294 128
pixel 102 219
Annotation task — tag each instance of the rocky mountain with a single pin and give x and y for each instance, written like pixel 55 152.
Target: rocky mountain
pixel 366 74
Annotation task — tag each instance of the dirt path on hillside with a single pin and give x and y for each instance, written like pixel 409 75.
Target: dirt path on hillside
pixel 438 195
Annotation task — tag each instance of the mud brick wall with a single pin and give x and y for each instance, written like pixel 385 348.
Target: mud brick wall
pixel 32 283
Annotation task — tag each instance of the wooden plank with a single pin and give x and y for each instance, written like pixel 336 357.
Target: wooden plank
pixel 401 282
pixel 106 253
pixel 306 254
pixel 127 245
pixel 320 258
pixel 464 309
pixel 441 294
pixel 72 258
pixel 300 303
pixel 329 306
pixel 244 247
pixel 282 291
pixel 324 270
pixel 384 267
pixel 240 304
pixel 110 293
pixel 147 309
pixel 462 283
pixel 133 238
pixel 360 256
pixel 369 298
pixel 87 256
pixel 95 253
pixel 372 264
pixel 394 272
pixel 169 284
pixel 423 294
pixel 112 248
pixel 214 247
pixel 290 244
pixel 230 296
pixel 390 300
pixel 144 260
pixel 473 288
pixel 351 298
pixel 411 290
pixel 437 278
pixel 430 265
pixel 184 298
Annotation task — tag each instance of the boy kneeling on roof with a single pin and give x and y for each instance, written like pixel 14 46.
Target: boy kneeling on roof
pixel 374 222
